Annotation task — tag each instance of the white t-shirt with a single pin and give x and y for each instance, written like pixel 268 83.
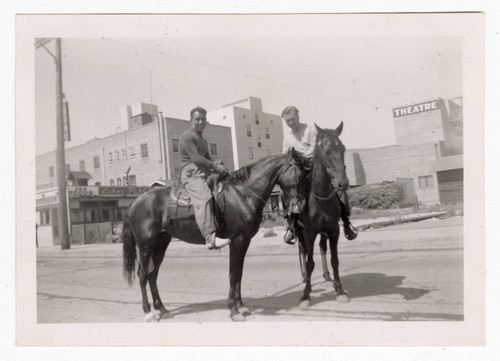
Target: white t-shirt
pixel 303 142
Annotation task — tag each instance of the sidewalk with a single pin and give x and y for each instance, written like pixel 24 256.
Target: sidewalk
pixel 179 248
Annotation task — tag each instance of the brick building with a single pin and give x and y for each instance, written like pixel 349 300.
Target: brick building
pixel 107 174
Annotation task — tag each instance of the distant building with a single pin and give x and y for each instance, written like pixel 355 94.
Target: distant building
pixel 255 133
pixel 428 135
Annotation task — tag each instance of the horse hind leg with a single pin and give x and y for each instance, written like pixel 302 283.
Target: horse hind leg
pixel 154 266
pixel 324 262
pixel 142 273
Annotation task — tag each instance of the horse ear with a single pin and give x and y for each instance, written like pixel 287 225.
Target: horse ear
pixel 320 133
pixel 339 128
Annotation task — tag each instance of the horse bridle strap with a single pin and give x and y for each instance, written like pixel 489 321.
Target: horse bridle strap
pixel 255 195
pixel 323 198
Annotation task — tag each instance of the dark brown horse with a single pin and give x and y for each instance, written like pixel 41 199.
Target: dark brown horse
pixel 323 209
pixel 149 227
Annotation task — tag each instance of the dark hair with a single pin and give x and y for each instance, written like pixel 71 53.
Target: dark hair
pixel 197 109
pixel 289 110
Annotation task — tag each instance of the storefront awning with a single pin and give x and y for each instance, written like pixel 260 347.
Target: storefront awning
pixel 78 175
pixel 448 163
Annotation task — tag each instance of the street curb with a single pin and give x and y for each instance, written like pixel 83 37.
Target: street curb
pixel 179 248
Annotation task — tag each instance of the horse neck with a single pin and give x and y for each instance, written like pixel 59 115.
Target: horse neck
pixel 320 182
pixel 264 176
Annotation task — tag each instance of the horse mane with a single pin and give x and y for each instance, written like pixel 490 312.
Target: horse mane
pixel 243 174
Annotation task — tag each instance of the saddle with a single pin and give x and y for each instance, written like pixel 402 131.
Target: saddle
pixel 180 207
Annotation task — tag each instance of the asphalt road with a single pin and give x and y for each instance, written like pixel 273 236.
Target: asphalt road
pixel 407 272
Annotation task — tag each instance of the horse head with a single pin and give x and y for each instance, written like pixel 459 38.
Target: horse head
pixel 292 182
pixel 331 152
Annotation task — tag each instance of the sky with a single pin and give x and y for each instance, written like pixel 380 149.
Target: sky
pixel 329 76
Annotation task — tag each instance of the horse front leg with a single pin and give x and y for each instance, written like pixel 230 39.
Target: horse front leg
pixel 237 252
pixel 305 301
pixel 324 263
pixel 341 295
pixel 302 260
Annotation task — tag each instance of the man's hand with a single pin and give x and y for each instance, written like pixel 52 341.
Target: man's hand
pixel 219 168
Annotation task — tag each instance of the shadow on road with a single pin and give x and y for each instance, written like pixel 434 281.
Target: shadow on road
pixel 377 284
pixel 357 285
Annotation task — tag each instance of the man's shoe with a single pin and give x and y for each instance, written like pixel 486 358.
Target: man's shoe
pixel 213 242
pixel 350 231
pixel 289 237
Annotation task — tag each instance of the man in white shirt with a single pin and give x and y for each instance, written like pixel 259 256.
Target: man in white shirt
pixel 302 137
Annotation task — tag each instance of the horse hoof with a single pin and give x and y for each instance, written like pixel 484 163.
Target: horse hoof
pixel 244 311
pixel 238 317
pixel 304 304
pixel 152 317
pixel 342 298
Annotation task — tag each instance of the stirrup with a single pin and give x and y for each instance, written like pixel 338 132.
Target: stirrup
pixel 350 231
pixel 213 242
pixel 289 237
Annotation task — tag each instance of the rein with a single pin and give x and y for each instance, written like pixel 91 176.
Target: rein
pixel 260 198
pixel 323 198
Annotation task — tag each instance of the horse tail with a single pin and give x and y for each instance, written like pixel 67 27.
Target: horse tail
pixel 129 252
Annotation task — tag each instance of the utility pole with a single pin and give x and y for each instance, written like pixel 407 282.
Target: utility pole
pixel 60 158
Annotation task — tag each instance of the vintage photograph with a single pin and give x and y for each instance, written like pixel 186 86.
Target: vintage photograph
pixel 199 172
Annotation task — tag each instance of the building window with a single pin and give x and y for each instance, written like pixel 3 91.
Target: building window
pixel 131 180
pixel 224 117
pixel 131 151
pixel 110 156
pixel 45 217
pixel 118 182
pixel 51 171
pixel 125 181
pixel 67 169
pixel 117 155
pixel 175 145
pixel 106 215
pixel 213 149
pixel 112 182
pixel 244 117
pixel 259 142
pixel 250 153
pixel 268 135
pixel 144 150
pixel 257 121
pixel 97 162
pixel 268 151
pixel 249 130
pixel 82 166
pixel 124 153
pixel 425 182
pixel 97 184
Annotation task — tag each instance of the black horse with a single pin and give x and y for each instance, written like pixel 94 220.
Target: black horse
pixel 323 210
pixel 149 226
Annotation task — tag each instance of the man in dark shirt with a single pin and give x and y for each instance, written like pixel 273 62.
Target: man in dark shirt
pixel 197 165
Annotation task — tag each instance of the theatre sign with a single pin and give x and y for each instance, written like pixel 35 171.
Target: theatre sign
pixel 415 108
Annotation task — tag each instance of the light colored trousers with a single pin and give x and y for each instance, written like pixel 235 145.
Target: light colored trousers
pixel 199 191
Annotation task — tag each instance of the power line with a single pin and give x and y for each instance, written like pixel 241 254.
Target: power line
pixel 242 74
